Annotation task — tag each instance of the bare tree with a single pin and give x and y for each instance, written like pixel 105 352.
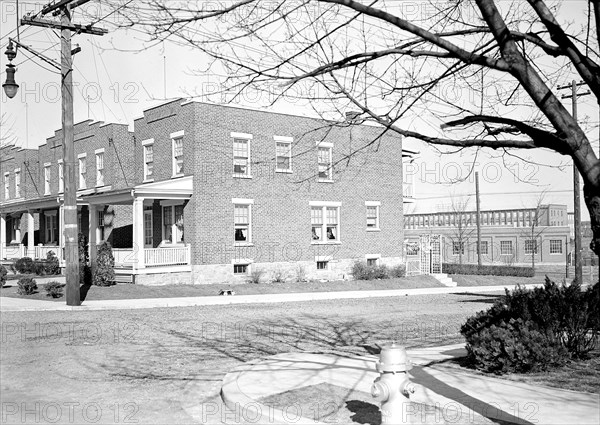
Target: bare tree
pixel 535 227
pixel 7 135
pixel 463 227
pixel 392 65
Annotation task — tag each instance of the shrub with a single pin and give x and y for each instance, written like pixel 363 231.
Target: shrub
pixel 39 268
pixel 256 274
pixel 104 271
pixel 278 276
pixel 398 271
pixel 84 268
pixel 474 269
pixel 362 271
pixel 52 264
pixel 300 273
pixel 54 289
pixel 3 273
pixel 27 286
pixel 529 330
pixel 25 265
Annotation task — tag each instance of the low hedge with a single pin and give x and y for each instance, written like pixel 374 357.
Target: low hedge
pixel 26 265
pixel 474 269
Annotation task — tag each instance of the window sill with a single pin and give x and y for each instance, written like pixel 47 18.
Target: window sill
pixel 174 176
pixel 326 243
pixel 239 176
pixel 236 244
pixel 284 171
pixel 100 185
pixel 325 181
pixel 373 229
pixel 147 180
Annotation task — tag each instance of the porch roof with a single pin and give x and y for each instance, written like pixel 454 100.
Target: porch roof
pixel 45 202
pixel 180 188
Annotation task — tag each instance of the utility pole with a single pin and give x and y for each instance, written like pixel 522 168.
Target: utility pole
pixel 576 198
pixel 478 219
pixel 64 8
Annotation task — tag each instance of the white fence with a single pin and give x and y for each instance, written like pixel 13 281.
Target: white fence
pixel 153 257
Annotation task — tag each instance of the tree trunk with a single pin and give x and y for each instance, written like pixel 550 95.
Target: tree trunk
pixel 591 195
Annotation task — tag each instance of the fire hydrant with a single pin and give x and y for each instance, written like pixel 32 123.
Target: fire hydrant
pixel 392 388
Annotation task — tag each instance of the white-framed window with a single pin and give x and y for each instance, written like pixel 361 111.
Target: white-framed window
pixel 100 223
pixel 172 223
pixel 148 147
pixel 556 246
pixel 61 176
pixel 47 178
pixel 531 246
pixel 373 259
pixel 15 230
pixel 6 185
pixel 241 154
pixel 325 161
pixel 506 248
pixel 82 170
pixel 177 142
pixel 484 247
pixel 283 154
pixel 458 248
pixel 51 227
pixel 148 230
pixel 100 167
pixel 322 265
pixel 242 269
pixel 242 221
pixel 372 214
pixel 325 222
pixel 17 183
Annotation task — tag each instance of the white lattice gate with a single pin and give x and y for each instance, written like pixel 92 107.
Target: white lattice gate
pixel 425 256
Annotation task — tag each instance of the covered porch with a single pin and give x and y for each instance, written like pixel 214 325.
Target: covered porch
pixel 156 243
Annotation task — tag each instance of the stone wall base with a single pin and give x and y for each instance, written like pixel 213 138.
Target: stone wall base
pixel 159 279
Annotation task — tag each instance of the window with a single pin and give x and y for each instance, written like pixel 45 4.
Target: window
pixel 240 269
pixel 61 177
pixel 47 179
pixel 322 265
pixel 6 185
pixel 458 248
pixel 82 172
pixel 100 234
pixel 51 228
pixel 484 247
pixel 324 220
pixel 173 223
pixel 283 154
pixel 15 230
pixel 17 183
pixel 373 260
pixel 372 215
pixel 242 219
pixel 556 246
pixel 241 157
pixel 531 246
pixel 148 160
pixel 100 168
pixel 325 162
pixel 178 156
pixel 148 234
pixel 506 248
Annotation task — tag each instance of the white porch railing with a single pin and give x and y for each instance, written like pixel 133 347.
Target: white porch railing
pixel 153 257
pixel 14 252
pixel 167 256
pixel 41 252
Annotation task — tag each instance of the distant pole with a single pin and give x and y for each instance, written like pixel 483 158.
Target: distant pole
pixel 27 125
pixel 478 218
pixel 165 76
pixel 576 187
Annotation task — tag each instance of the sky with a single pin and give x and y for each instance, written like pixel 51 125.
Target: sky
pixel 116 79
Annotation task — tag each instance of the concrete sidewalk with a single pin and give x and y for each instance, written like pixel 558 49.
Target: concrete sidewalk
pixel 458 397
pixel 23 304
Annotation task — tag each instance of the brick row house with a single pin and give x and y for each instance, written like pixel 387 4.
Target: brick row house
pixel 202 193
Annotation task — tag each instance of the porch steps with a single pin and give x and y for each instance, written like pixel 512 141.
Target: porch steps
pixel 444 279
pixel 123 277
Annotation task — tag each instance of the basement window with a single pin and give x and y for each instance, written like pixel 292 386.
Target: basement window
pixel 322 265
pixel 240 269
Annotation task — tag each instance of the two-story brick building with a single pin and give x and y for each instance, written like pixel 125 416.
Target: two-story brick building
pixel 212 193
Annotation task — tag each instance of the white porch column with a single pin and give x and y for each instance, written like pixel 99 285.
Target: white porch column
pixel 2 236
pixel 30 234
pixel 138 232
pixel 93 227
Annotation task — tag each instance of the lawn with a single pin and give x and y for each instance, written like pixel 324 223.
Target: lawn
pixel 128 291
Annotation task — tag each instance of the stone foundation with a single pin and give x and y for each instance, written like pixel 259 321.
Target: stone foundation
pixel 158 279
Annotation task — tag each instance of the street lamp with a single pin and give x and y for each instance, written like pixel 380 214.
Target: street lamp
pixel 10 86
